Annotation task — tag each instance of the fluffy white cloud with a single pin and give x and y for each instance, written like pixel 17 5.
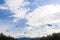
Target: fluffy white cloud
pixel 16 6
pixel 44 15
pixel 38 31
pixel 48 14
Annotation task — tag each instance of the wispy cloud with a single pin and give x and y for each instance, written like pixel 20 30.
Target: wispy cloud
pixel 2 7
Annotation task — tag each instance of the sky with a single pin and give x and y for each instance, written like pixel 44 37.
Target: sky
pixel 29 18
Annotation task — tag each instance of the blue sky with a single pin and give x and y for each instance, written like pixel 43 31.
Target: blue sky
pixel 2 1
pixel 4 14
pixel 29 18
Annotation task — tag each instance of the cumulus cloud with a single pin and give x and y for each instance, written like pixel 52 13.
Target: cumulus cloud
pixel 48 14
pixel 16 6
pixel 40 32
pixel 44 15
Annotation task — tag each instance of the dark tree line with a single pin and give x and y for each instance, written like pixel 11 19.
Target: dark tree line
pixel 3 37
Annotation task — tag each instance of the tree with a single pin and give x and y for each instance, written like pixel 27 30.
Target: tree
pixel 54 36
pixel 3 37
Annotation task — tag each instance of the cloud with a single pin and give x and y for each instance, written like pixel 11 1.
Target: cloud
pixel 16 6
pixel 5 27
pixel 38 31
pixel 2 7
pixel 44 15
pixel 47 14
pixel 41 32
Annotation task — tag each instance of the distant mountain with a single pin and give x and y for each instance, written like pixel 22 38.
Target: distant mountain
pixel 24 38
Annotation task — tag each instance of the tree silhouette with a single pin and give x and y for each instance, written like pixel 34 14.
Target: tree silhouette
pixel 3 37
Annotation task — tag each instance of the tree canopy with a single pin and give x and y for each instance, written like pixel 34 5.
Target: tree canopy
pixel 3 37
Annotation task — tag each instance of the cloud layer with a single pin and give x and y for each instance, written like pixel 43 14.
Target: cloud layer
pixel 33 24
pixel 44 15
pixel 48 14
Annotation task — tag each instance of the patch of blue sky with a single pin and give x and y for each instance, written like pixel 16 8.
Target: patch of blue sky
pixel 29 0
pixel 48 1
pixel 45 2
pixel 57 1
pixel 21 23
pixel 5 13
pixel 2 1
pixel 31 6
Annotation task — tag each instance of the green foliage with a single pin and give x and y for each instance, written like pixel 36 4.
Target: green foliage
pixel 3 37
